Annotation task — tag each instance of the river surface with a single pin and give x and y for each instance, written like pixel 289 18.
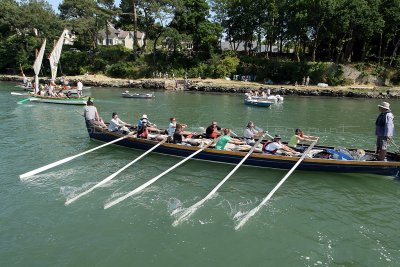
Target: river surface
pixel 314 219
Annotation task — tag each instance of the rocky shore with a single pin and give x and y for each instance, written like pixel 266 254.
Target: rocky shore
pixel 225 86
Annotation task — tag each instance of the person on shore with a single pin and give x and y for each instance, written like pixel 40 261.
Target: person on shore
pixel 298 137
pixel 212 130
pixel 117 125
pixel 79 88
pixel 250 132
pixel 307 80
pixel 384 130
pixel 275 147
pixel 92 116
pixel 222 141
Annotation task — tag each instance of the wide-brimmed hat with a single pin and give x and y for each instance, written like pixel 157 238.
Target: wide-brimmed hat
pixel 384 105
pixel 144 116
pixel 277 136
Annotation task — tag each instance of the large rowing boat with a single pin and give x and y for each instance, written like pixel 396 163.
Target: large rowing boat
pixel 390 167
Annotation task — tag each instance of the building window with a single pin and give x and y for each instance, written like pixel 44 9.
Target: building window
pixel 109 42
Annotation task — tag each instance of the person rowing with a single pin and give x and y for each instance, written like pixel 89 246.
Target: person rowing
pixel 298 137
pixel 172 127
pixel 275 147
pixel 250 132
pixel 150 126
pixel 212 130
pixel 117 125
pixel 227 139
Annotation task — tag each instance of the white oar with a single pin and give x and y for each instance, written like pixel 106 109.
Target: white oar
pixel 109 178
pixel 193 208
pixel 15 93
pixel 143 186
pixel 254 211
pixel 62 161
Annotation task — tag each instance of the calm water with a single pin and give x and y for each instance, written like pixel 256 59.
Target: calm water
pixel 314 219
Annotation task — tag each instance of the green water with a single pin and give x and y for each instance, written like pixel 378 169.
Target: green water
pixel 314 219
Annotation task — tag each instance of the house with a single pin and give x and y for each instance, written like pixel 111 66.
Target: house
pixel 119 37
pixel 69 37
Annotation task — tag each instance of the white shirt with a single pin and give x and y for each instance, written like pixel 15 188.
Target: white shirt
pixel 90 113
pixel 115 124
pixel 79 86
pixel 249 133
pixel 273 146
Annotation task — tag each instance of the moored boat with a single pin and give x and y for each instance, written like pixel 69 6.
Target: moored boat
pixel 257 159
pixel 126 94
pixel 55 100
pixel 258 102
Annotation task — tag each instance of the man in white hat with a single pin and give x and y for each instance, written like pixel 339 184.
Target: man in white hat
pixel 150 126
pixel 384 129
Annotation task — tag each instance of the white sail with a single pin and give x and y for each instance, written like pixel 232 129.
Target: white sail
pixel 55 55
pixel 38 64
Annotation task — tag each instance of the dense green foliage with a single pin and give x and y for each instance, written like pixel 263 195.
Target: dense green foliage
pixel 268 39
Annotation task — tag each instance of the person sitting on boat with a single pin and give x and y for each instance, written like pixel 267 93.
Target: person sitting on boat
pixel 222 141
pixel 298 137
pixel 250 132
pixel 24 79
pixel 150 126
pixel 212 130
pixel 172 127
pixel 276 147
pixel 143 130
pixel 92 116
pixel 60 93
pixel 29 83
pixel 52 89
pixel 178 134
pixel 384 130
pixel 117 125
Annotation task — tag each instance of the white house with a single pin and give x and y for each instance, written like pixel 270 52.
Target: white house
pixel 119 37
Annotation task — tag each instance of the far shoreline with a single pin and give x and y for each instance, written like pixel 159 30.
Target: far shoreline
pixel 226 86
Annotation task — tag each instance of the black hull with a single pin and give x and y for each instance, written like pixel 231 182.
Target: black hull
pixel 256 159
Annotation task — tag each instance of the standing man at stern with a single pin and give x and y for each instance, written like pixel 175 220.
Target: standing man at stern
pixel 384 130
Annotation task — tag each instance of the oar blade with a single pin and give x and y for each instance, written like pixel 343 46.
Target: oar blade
pixel 112 176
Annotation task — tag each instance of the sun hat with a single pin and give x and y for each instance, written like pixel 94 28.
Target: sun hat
pixel 144 116
pixel 384 105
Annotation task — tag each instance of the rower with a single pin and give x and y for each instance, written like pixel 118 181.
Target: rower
pixel 150 126
pixel 212 130
pixel 227 139
pixel 276 147
pixel 250 132
pixel 117 125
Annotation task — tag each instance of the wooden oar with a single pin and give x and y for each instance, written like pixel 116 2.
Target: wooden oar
pixel 114 174
pixel 62 161
pixel 143 186
pixel 254 211
pixel 24 100
pixel 193 208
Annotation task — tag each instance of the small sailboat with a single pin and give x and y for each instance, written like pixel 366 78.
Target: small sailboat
pixel 54 59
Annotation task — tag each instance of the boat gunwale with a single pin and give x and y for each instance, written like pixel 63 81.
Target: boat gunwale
pixel 258 154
